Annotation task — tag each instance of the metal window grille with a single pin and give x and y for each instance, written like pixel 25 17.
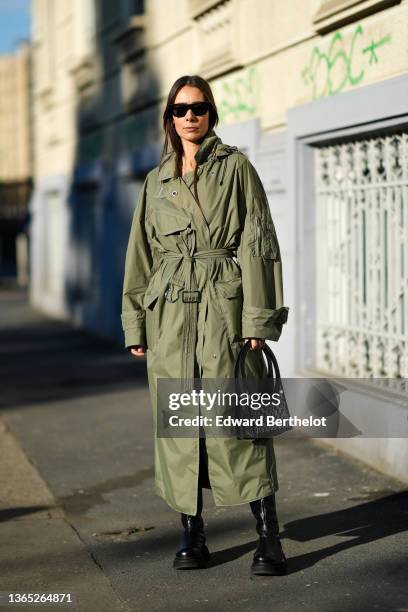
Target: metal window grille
pixel 362 258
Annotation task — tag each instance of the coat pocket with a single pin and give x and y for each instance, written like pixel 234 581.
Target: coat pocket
pixel 264 242
pixel 166 224
pixel 230 300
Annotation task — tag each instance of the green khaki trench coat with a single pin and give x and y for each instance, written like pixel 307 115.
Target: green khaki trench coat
pixel 222 251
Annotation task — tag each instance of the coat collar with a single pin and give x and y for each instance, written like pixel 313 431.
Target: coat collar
pixel 211 146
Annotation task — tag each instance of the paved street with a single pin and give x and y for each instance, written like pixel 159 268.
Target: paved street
pixel 78 512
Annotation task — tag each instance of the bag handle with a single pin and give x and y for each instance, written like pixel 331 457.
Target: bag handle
pixel 273 368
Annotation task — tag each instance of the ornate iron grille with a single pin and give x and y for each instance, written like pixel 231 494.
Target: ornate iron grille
pixel 362 258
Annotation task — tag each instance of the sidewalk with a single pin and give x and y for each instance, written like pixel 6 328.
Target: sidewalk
pixel 78 513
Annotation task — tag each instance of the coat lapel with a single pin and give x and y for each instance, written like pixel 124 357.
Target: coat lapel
pixel 174 189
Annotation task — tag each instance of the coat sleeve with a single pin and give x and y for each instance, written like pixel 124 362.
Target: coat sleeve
pixel 263 312
pixel 138 266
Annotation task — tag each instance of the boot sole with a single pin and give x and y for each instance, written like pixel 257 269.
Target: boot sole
pixel 266 569
pixel 186 564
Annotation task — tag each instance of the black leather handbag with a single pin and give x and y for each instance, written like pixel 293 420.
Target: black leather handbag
pixel 272 383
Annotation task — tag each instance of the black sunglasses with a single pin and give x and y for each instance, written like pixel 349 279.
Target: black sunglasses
pixel 198 108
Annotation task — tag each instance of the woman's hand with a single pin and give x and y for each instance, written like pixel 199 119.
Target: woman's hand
pixel 138 350
pixel 256 343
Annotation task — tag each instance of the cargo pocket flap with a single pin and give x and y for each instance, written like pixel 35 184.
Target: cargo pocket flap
pixel 230 288
pixel 166 224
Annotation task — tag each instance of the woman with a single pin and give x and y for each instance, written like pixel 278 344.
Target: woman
pixel 202 273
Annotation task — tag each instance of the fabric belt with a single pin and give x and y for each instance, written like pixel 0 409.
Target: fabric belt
pixel 185 277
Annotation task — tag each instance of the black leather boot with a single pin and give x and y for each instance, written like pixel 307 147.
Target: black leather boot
pixel 193 553
pixel 269 558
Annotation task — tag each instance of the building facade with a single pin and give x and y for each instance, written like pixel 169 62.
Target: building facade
pixel 15 161
pixel 313 91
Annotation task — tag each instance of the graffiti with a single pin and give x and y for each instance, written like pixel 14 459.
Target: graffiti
pixel 373 46
pixel 238 98
pixel 328 73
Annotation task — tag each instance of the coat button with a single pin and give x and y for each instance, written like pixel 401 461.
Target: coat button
pixel 214 355
pixel 174 193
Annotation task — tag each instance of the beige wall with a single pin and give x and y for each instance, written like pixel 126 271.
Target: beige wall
pixel 14 116
pixel 261 56
pixel 277 57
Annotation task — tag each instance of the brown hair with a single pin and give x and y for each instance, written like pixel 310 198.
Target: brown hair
pixel 171 136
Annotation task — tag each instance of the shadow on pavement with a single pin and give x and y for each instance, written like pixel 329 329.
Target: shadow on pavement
pixel 9 514
pixel 43 359
pixel 364 523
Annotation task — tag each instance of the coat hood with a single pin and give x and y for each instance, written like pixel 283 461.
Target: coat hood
pixel 211 146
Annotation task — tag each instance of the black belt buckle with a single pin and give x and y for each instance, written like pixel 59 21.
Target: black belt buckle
pixel 189 297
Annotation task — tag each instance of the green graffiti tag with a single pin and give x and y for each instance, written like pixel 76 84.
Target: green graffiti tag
pixel 328 73
pixel 238 97
pixel 371 48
